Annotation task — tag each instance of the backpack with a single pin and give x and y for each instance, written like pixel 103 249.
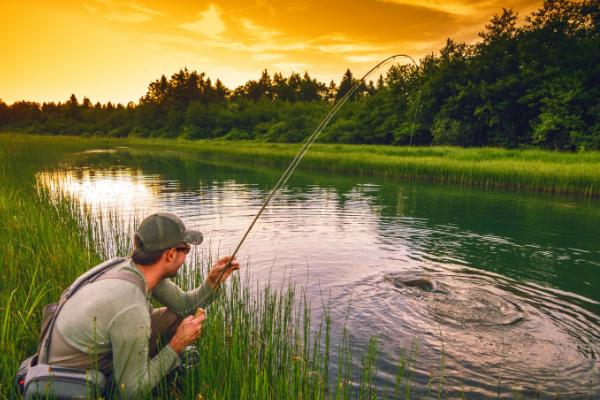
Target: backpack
pixel 35 378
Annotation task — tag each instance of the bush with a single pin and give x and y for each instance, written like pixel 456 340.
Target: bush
pixel 118 132
pixel 237 134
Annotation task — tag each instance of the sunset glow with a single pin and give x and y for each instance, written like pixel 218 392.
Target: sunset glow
pixel 110 51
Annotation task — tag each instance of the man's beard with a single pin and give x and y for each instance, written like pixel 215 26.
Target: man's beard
pixel 174 274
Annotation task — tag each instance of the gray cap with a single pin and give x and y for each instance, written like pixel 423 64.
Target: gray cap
pixel 165 230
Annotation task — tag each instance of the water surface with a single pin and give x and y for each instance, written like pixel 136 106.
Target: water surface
pixel 515 304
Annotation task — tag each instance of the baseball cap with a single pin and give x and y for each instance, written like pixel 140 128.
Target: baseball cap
pixel 163 230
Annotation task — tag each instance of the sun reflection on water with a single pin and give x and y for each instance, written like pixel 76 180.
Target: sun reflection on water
pixel 103 190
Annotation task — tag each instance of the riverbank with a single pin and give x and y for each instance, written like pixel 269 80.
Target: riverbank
pixel 249 349
pixel 41 251
pixel 575 174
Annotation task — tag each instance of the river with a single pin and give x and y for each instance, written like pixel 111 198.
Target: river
pixel 514 307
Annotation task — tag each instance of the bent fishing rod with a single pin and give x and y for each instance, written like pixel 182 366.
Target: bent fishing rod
pixel 309 141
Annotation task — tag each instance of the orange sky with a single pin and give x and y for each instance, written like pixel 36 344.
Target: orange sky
pixel 110 50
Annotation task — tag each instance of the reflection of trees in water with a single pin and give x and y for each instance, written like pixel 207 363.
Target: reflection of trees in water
pixel 533 237
pixel 189 170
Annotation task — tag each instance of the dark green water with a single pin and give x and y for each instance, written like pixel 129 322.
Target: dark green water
pixel 516 305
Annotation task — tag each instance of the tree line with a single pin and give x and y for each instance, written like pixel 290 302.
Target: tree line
pixel 535 83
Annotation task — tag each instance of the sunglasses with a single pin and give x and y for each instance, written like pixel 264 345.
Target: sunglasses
pixel 185 249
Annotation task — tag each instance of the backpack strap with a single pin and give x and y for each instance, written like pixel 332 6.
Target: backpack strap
pixel 91 274
pixel 85 278
pixel 124 276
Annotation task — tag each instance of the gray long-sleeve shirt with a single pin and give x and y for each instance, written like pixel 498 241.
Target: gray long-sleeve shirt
pixel 109 321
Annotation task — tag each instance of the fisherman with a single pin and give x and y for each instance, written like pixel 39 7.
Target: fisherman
pixel 109 324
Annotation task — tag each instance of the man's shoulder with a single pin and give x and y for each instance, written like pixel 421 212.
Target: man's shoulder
pixel 115 289
pixel 97 304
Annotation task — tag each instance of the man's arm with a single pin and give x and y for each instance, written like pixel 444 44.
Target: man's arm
pixel 134 374
pixel 180 302
pixel 186 303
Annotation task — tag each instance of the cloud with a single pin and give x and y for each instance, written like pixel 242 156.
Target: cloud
pixel 290 66
pixel 191 57
pixel 365 58
pixel 143 9
pixel 90 8
pixel 253 47
pixel 258 32
pixel 177 41
pixel 344 47
pixel 134 18
pixel 267 57
pixel 209 24
pixel 470 12
pixel 450 7
pixel 131 13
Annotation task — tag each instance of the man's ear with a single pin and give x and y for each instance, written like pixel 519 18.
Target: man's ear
pixel 169 255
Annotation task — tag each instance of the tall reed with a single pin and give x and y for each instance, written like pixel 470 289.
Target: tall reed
pixel 259 342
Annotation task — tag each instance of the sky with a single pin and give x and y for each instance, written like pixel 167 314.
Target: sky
pixel 110 50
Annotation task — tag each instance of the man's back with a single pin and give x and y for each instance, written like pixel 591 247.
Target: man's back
pixel 106 325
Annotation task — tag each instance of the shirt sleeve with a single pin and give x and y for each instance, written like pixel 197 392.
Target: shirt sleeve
pixel 180 302
pixel 134 374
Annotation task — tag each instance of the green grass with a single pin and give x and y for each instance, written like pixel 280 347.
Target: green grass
pixel 42 249
pixel 533 170
pixel 255 344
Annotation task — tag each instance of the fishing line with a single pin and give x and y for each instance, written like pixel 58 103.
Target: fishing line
pixel 412 129
pixel 309 141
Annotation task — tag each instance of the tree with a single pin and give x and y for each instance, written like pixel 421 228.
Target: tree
pixel 346 84
pixel 331 92
pixel 559 124
pixel 310 89
pixel 86 103
pixel 536 83
pixel 221 91
pixel 294 86
pixel 257 90
pixel 73 108
pixel 157 92
pixel 4 113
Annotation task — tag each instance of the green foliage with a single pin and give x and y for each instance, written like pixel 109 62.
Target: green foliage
pixel 237 134
pixel 559 122
pixel 343 131
pixel 526 83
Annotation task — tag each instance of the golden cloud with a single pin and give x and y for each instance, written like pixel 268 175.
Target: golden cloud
pixel 208 24
pixel 120 11
pixel 132 43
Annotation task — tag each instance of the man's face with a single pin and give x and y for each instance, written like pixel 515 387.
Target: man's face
pixel 175 258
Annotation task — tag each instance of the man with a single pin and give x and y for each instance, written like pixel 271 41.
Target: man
pixel 109 324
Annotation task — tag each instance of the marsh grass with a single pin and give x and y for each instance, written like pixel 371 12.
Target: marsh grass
pixel 533 170
pixel 523 169
pixel 259 342
pixel 42 248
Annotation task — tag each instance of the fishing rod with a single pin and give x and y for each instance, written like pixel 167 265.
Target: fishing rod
pixel 309 141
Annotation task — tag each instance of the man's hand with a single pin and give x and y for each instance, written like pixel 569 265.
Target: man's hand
pixel 218 268
pixel 188 331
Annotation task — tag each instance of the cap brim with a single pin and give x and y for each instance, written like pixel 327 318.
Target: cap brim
pixel 193 237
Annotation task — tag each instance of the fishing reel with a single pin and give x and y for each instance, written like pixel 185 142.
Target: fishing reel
pixel 189 357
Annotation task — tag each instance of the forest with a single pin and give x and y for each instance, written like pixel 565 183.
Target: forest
pixel 531 82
